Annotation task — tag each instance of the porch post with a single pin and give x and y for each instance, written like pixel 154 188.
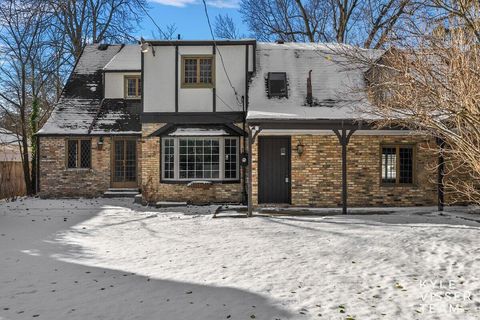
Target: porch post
pixel 344 138
pixel 250 173
pixel 440 175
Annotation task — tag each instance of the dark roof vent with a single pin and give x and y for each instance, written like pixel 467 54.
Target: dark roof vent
pixel 279 41
pixel 277 85
pixel 103 46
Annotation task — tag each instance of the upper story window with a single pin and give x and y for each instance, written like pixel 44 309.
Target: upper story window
pixel 277 84
pixel 198 71
pixel 398 164
pixel 79 154
pixel 133 87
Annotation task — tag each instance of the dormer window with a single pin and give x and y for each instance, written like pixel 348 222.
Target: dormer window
pixel 198 71
pixel 133 87
pixel 277 84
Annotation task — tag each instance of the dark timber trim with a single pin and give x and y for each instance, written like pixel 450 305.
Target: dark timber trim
pixel 192 117
pixel 123 70
pixel 214 91
pixel 344 138
pixel 200 42
pixel 119 134
pixel 142 63
pixel 441 174
pixel 169 128
pixel 176 78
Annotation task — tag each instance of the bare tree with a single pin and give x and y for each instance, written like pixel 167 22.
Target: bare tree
pixel 434 87
pixel 24 69
pixel 94 21
pixel 367 23
pixel 225 28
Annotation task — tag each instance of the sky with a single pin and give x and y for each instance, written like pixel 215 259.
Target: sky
pixel 188 17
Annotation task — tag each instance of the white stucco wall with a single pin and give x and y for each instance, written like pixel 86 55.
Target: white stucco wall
pixel 159 77
pixel 159 80
pixel 114 84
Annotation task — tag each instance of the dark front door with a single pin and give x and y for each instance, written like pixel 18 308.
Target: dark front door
pixel 274 170
pixel 124 165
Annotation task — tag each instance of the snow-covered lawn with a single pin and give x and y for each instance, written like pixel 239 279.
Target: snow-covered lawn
pixel 110 259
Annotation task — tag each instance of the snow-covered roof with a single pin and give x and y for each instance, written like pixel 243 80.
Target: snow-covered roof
pixel 336 83
pixel 128 59
pixel 81 109
pixel 198 132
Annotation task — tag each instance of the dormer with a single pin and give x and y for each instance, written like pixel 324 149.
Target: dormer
pixel 122 75
pixel 196 76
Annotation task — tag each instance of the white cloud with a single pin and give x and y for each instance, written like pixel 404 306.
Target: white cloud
pixel 175 3
pixel 214 3
pixel 223 3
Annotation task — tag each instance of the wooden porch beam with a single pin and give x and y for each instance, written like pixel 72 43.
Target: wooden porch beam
pixel 440 175
pixel 344 138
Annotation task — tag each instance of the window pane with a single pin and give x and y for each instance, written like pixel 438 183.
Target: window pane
pixel 168 159
pixel 406 165
pixel 132 87
pixel 277 84
pixel 206 70
pixel 85 153
pixel 190 69
pixel 72 154
pixel 139 89
pixel 389 164
pixel 199 158
pixel 230 158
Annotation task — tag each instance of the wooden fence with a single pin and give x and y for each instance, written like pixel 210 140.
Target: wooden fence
pixel 12 182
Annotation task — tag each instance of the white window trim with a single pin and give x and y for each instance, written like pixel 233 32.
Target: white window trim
pixel 176 156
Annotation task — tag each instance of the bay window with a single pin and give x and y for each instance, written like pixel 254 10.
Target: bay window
pixel 200 158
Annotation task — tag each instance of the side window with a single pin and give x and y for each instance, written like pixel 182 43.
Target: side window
pixel 198 72
pixel 79 154
pixel 397 164
pixel 277 85
pixel 133 87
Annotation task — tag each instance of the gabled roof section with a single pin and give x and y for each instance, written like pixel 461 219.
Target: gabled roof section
pixel 336 83
pixel 127 59
pixel 81 110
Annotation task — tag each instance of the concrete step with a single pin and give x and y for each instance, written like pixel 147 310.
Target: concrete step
pixel 121 193
pixel 170 204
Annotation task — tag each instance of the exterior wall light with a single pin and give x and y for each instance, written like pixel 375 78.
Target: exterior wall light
pixel 100 143
pixel 300 148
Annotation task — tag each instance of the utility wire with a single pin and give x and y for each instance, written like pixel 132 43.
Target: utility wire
pixel 221 58
pixel 153 20
pixel 219 52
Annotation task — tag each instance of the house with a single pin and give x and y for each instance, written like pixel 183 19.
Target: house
pixel 12 181
pixel 194 121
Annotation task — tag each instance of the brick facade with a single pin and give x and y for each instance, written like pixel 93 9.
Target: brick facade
pixel 154 190
pixel 316 175
pixel 58 181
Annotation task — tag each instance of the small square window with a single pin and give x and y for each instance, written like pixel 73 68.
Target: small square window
pixel 277 84
pixel 133 87
pixel 79 154
pixel 198 72
pixel 397 164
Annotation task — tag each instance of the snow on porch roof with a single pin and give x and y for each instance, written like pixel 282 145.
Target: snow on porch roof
pixel 337 90
pixel 187 132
